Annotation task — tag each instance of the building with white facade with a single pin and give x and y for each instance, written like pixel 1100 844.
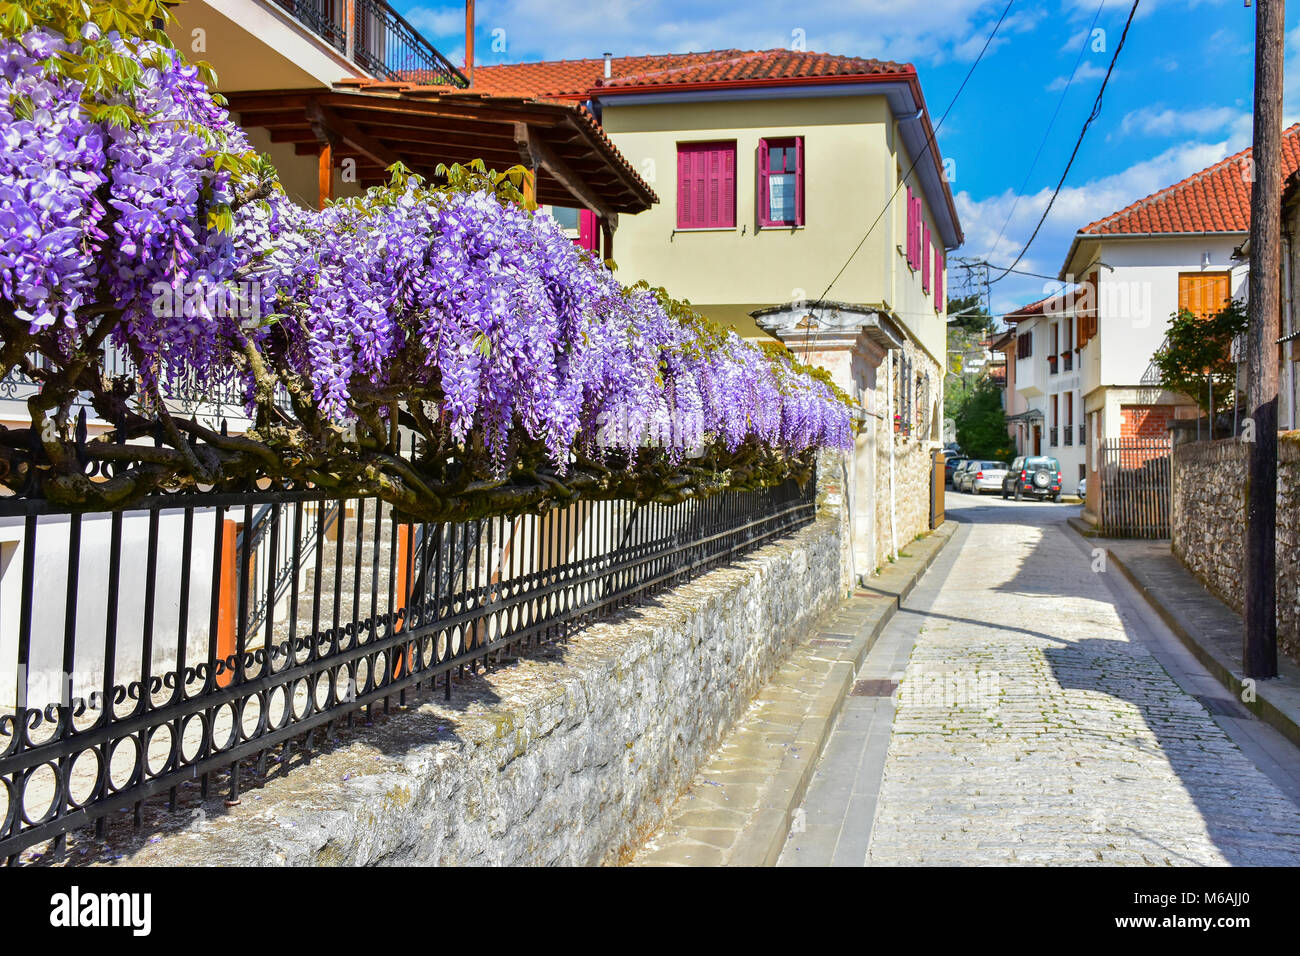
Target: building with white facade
pixel 1083 356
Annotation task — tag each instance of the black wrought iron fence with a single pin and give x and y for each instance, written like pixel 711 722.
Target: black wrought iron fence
pixel 184 393
pixel 143 649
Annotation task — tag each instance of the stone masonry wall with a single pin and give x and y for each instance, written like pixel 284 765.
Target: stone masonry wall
pixel 913 459
pixel 912 465
pixel 569 756
pixel 1209 524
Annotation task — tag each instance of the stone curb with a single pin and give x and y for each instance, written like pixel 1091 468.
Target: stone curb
pixel 771 808
pixel 1276 703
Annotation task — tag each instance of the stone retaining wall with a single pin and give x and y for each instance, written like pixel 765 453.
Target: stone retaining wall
pixel 1209 523
pixel 569 756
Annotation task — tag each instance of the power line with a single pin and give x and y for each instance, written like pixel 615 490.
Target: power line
pixel 1050 124
pixel 929 144
pixel 1022 272
pixel 1096 111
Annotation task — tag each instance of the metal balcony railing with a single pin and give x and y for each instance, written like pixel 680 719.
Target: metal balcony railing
pixel 377 38
pixel 1051 436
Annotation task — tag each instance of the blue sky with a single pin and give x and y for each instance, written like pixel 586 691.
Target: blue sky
pixel 1179 100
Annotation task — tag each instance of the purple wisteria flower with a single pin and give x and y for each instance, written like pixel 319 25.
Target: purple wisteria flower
pixel 477 301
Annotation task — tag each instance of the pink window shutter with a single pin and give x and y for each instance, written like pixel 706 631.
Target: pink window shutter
pixel 925 257
pixel 683 188
pixel 911 228
pixel 939 259
pixel 714 173
pixel 798 182
pixel 727 186
pixel 588 229
pixel 916 230
pixel 701 174
pixel 760 184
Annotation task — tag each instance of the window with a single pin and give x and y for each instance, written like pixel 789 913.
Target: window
pixel 580 225
pixel 566 216
pixel 1204 293
pixel 939 261
pixel 913 245
pixel 925 258
pixel 706 185
pixel 1088 327
pixel 1024 345
pixel 780 182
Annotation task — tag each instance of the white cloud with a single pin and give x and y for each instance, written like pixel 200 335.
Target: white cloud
pixel 1075 207
pixel 932 32
pixel 1074 42
pixel 1159 121
pixel 1086 71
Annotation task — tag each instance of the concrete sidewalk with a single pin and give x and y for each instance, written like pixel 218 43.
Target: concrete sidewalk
pixel 1210 629
pixel 738 809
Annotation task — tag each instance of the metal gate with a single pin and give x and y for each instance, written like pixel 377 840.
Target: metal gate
pixel 1136 485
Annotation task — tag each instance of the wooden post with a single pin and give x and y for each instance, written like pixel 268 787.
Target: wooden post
pixel 405 534
pixel 469 41
pixel 607 234
pixel 226 597
pixel 325 173
pixel 530 188
pixel 1259 607
pixel 350 28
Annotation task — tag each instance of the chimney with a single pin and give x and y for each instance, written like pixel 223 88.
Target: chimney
pixel 469 41
pixel 609 64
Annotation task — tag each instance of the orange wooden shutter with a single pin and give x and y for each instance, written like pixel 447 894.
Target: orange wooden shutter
pixel 1204 293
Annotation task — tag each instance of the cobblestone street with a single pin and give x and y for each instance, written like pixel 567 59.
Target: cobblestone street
pixel 1044 715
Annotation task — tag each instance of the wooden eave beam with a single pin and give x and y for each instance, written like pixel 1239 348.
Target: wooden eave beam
pixel 539 154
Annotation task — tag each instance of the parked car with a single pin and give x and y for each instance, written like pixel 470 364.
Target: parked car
pixel 982 476
pixel 949 467
pixel 1033 476
pixel 1082 490
pixel 959 476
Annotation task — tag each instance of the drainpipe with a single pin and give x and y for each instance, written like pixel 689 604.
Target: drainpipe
pixel 889 431
pixel 469 41
pixel 1288 326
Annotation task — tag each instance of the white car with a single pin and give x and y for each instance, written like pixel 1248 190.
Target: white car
pixel 981 476
pixel 1082 490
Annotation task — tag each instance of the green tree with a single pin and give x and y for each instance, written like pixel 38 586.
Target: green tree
pixel 967 314
pixel 981 422
pixel 1198 352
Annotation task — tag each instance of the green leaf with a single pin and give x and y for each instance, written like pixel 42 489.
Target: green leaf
pixel 221 219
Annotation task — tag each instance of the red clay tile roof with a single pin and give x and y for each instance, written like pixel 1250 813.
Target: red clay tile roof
pixel 1216 199
pixel 1032 309
pixel 733 66
pixel 577 79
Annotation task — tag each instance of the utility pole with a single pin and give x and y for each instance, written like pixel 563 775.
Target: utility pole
pixel 1259 643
